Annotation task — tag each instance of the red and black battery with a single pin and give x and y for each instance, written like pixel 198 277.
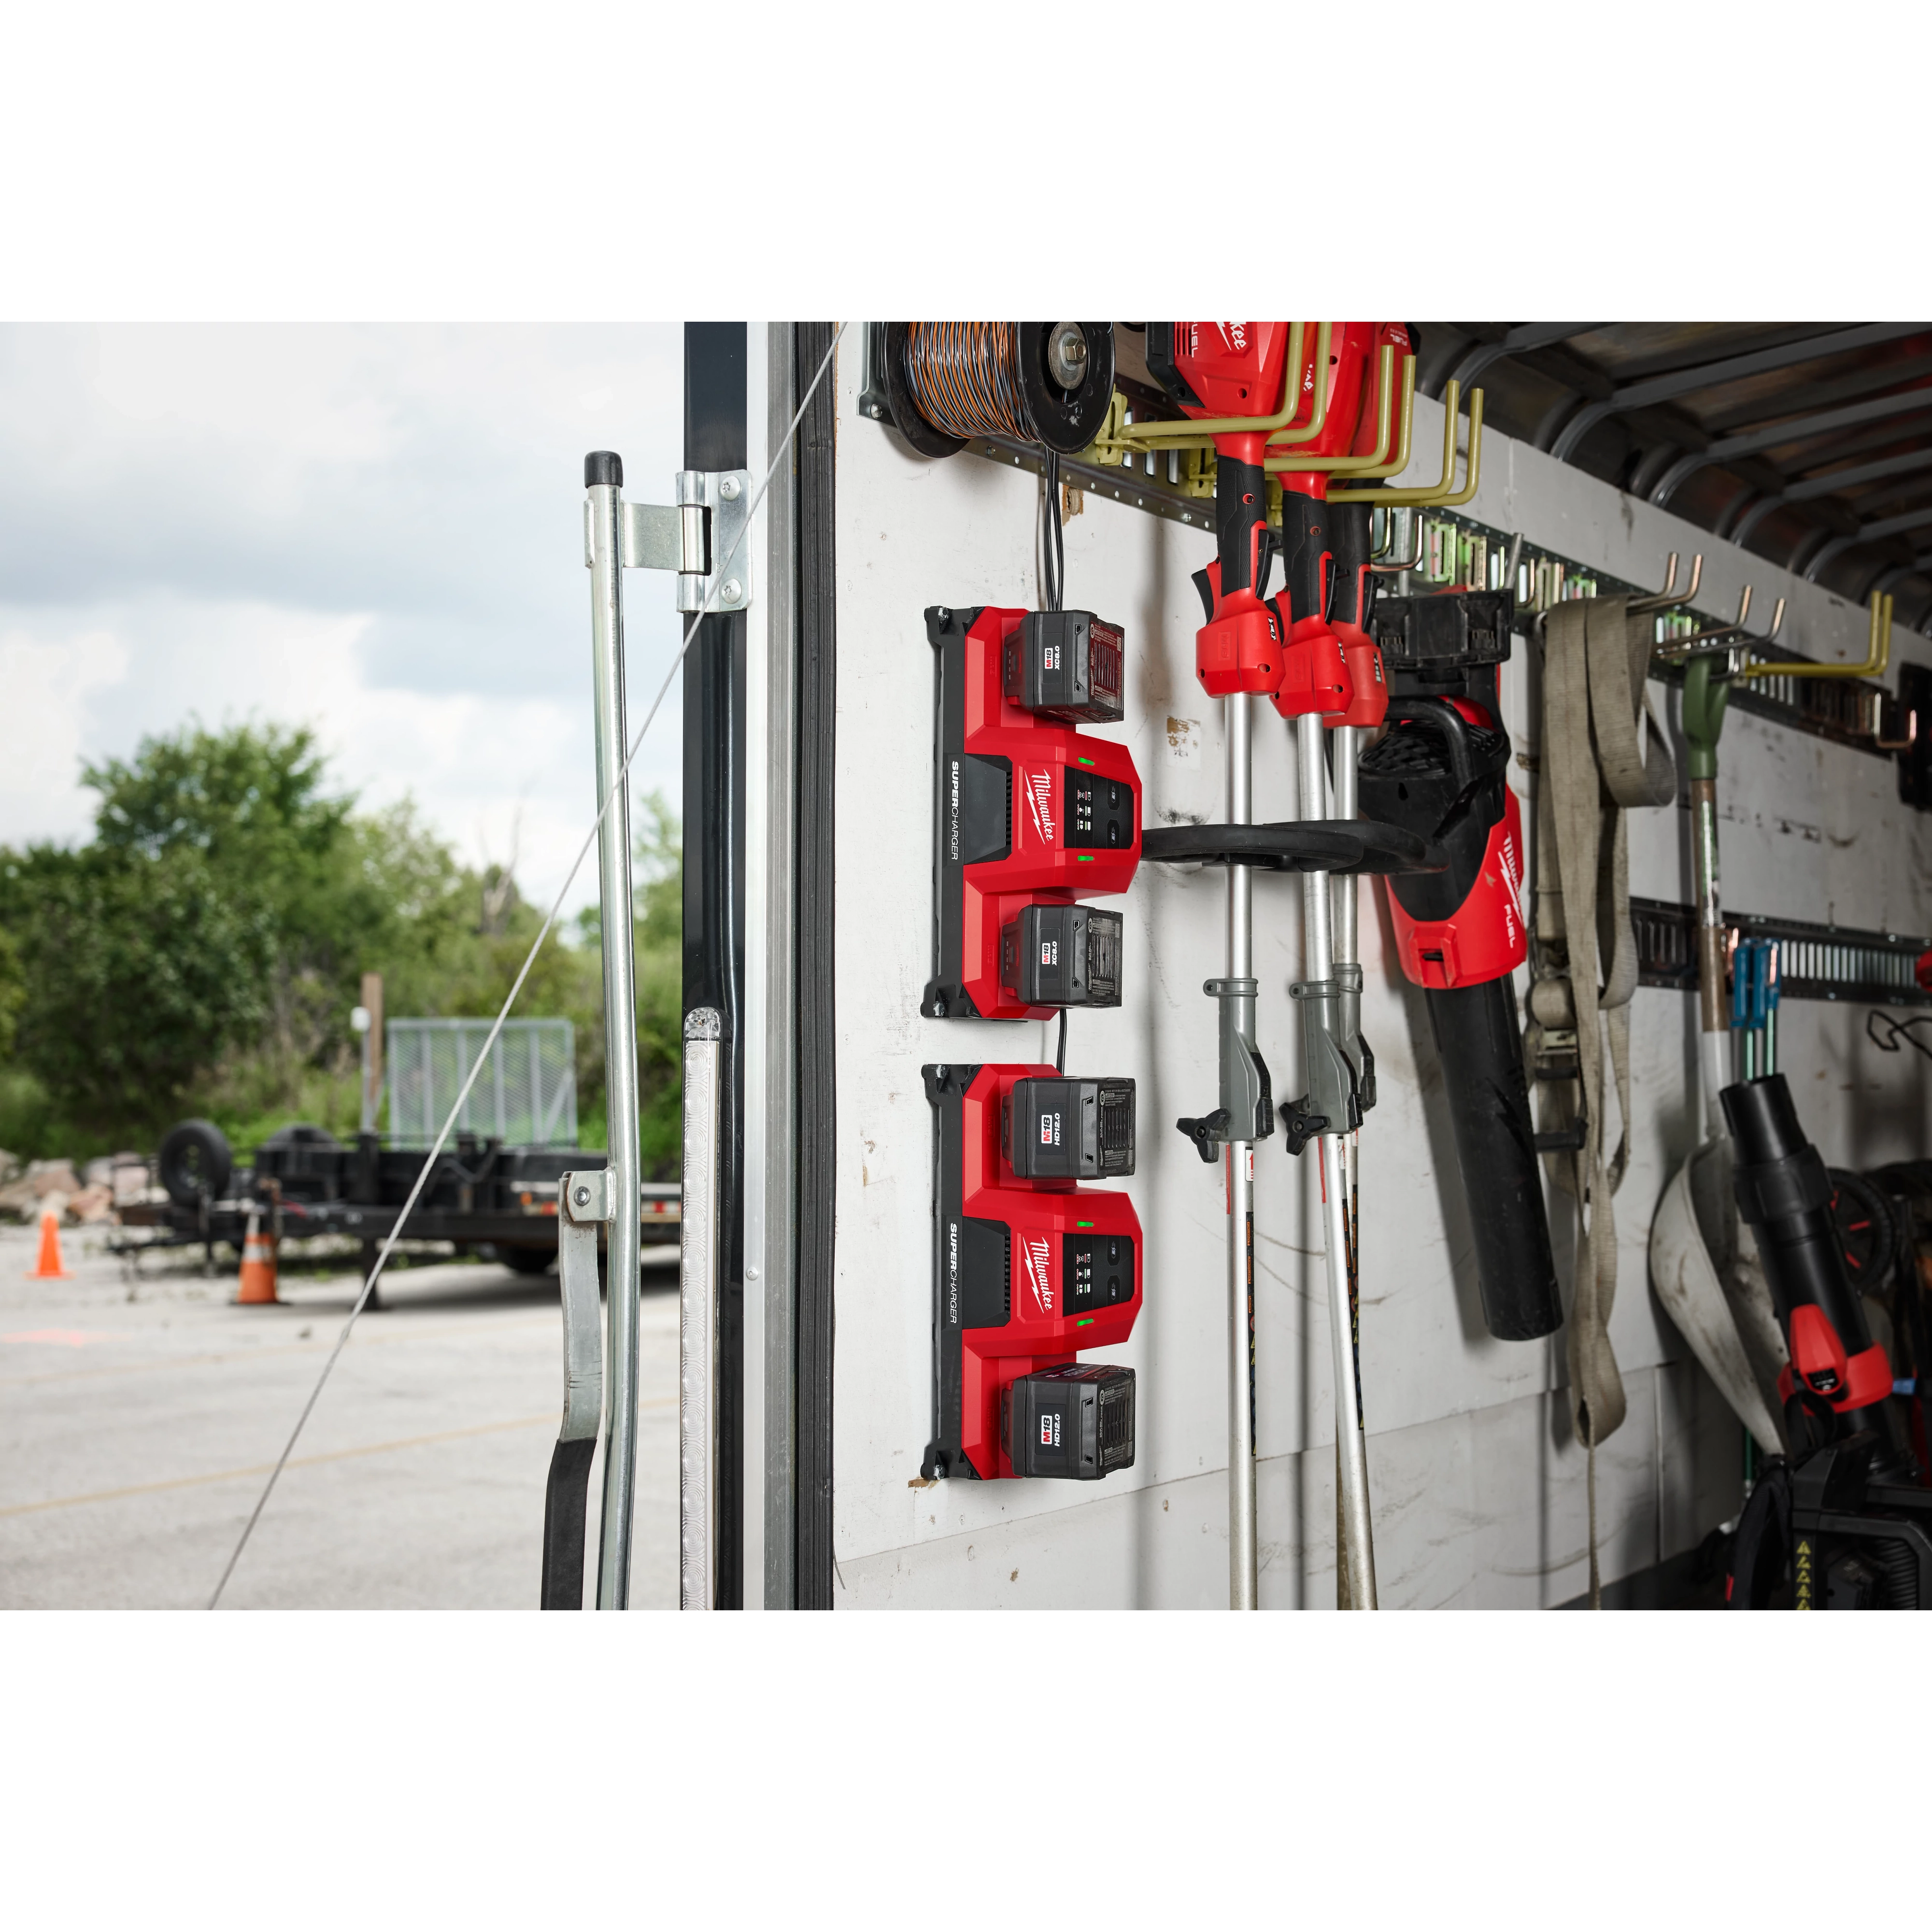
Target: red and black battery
pixel 1031 1268
pixel 1030 816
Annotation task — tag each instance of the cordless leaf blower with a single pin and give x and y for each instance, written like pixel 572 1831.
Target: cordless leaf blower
pixel 1442 771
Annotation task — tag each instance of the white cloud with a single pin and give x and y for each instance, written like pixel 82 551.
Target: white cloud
pixel 375 531
pixel 45 683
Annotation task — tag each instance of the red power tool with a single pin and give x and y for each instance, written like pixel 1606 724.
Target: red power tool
pixel 1220 371
pixel 1333 667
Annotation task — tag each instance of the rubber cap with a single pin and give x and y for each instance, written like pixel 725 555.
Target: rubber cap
pixel 603 466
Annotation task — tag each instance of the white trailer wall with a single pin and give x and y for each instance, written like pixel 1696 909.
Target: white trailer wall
pixel 1478 1487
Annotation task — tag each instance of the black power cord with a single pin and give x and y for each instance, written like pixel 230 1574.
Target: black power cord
pixel 1052 537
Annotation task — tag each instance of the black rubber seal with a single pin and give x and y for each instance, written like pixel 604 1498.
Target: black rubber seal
pixel 603 466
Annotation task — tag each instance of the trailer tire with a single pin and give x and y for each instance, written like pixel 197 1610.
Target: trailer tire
pixel 195 1159
pixel 525 1261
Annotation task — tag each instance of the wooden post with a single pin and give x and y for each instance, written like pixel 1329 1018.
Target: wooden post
pixel 372 1063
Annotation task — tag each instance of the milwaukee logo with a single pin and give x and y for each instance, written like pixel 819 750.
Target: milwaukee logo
pixel 1039 803
pixel 1234 336
pixel 1038 1256
pixel 1513 880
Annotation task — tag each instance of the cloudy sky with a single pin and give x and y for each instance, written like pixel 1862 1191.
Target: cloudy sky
pixel 377 531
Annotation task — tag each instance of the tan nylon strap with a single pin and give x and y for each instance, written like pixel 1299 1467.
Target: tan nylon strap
pixel 1637 767
pixel 1579 687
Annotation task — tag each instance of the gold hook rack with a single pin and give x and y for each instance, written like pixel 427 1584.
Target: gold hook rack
pixel 1878 653
pixel 1376 463
pixel 1199 433
pixel 1442 494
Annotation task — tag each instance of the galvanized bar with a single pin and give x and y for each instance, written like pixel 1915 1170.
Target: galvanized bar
pixel 698 1278
pixel 1243 1560
pixel 772 1026
pixel 1355 1560
pixel 620 1029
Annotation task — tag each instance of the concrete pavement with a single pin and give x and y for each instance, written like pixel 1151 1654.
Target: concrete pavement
pixel 140 1411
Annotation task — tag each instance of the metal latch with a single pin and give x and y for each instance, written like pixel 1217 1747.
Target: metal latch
pixel 584 1198
pixel 703 533
pixel 1246 1112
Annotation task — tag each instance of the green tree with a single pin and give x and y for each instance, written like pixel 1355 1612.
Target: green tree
pixel 13 991
pixel 139 969
pixel 203 953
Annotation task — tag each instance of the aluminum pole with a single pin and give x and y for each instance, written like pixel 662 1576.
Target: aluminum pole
pixel 1344 744
pixel 1355 1560
pixel 1242 1568
pixel 603 477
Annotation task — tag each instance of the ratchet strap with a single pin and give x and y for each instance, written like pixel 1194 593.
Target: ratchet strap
pixel 1604 753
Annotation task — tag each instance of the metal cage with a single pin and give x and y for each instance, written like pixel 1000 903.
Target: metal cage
pixel 525 1095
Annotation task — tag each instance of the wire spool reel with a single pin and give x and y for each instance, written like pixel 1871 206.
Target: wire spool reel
pixel 1047 383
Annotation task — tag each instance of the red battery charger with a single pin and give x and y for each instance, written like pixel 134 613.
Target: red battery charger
pixel 1029 1268
pixel 1028 813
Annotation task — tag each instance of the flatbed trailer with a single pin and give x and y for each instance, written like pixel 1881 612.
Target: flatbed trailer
pixel 305 1183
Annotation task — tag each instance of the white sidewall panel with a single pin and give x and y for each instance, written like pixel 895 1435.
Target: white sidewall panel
pixel 1478 1487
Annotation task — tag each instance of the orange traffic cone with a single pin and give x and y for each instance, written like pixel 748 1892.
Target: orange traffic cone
pixel 258 1266
pixel 49 1267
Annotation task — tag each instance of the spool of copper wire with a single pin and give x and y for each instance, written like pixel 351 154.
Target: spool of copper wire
pixel 1043 383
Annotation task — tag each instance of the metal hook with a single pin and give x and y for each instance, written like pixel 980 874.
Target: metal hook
pixel 1377 463
pixel 1200 433
pixel 1878 653
pixel 1671 647
pixel 1414 562
pixel 1904 744
pixel 1668 595
pixel 1442 494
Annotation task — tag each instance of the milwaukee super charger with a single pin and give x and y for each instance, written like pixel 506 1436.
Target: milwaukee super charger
pixel 1030 817
pixel 1031 1268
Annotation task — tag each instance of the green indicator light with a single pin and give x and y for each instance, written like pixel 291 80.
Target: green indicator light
pixel 1083 858
pixel 1083 1224
pixel 1085 1321
pixel 1083 761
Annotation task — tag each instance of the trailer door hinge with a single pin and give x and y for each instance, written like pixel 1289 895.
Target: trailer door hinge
pixel 702 533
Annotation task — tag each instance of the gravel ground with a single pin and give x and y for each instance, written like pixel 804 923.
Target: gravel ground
pixel 141 1409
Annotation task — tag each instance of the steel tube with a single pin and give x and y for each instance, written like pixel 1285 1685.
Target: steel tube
pixel 1355 1559
pixel 1243 1565
pixel 620 1039
pixel 1714 1022
pixel 1345 742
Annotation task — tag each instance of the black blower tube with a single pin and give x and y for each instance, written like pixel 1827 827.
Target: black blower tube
pixel 1481 1051
pixel 1785 1193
